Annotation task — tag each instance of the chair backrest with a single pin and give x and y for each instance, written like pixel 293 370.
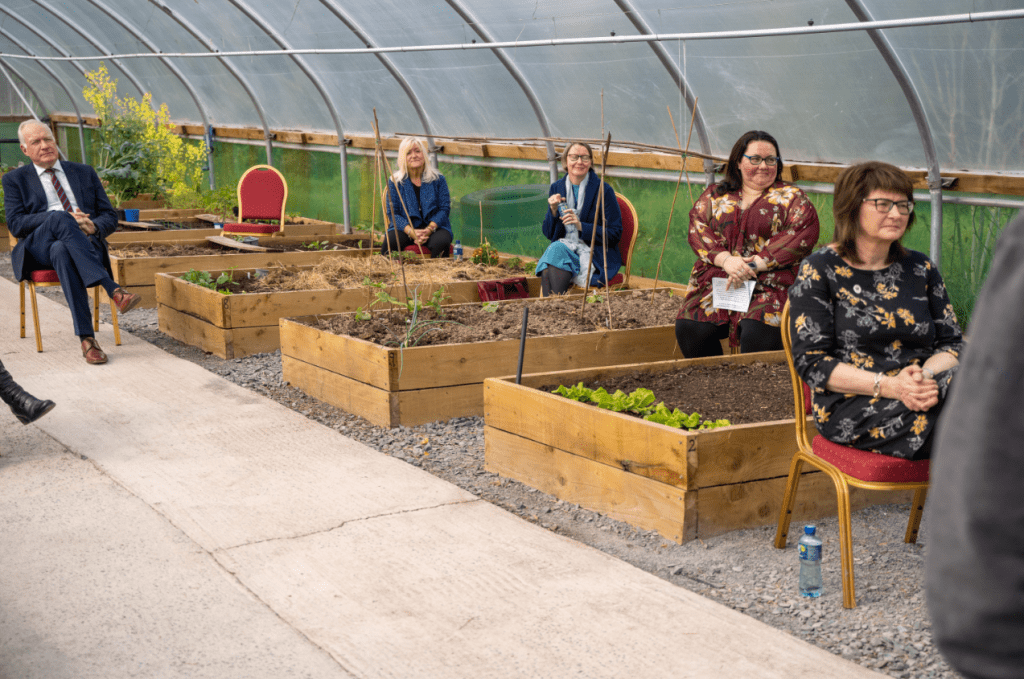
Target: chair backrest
pixel 262 194
pixel 630 230
pixel 800 397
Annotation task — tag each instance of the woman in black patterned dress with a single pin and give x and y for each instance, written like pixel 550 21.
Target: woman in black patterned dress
pixel 874 333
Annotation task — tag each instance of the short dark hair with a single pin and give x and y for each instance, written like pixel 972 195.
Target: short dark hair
pixel 853 185
pixel 733 177
pixel 565 152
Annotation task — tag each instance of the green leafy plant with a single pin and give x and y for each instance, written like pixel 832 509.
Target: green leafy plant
pixel 515 264
pixel 594 298
pixel 490 307
pixel 205 279
pixel 486 254
pixel 641 403
pixel 138 150
pixel 318 245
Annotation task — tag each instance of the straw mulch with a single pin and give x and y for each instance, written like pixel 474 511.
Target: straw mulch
pixel 352 272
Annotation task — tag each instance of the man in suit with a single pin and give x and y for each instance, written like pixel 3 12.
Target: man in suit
pixel 61 216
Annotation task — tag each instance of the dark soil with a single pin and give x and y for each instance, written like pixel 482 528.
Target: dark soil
pixel 742 394
pixel 503 321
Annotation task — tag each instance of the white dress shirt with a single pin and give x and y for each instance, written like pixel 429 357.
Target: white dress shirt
pixel 52 198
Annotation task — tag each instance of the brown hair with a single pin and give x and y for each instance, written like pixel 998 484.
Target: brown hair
pixel 853 185
pixel 733 177
pixel 565 153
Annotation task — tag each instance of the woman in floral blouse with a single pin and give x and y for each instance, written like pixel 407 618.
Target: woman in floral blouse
pixel 750 226
pixel 874 333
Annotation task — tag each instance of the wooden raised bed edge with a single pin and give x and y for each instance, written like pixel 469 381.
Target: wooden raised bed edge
pixel 138 273
pixel 392 387
pixel 233 326
pixel 683 484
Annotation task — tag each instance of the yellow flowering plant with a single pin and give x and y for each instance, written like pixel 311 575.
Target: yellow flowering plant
pixel 138 151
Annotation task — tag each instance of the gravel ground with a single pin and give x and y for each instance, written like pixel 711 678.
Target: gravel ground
pixel 889 631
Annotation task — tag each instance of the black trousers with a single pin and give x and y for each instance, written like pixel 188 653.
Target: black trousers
pixel 697 339
pixel 437 243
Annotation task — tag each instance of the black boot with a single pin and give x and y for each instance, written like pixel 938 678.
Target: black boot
pixel 26 407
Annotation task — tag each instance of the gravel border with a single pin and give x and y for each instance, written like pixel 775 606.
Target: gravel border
pixel 889 631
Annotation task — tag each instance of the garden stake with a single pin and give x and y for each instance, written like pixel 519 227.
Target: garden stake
pixel 387 166
pixel 481 223
pixel 682 169
pixel 522 345
pixel 593 238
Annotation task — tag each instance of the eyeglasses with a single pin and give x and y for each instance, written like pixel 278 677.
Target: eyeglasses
pixel 770 161
pixel 884 205
pixel 574 158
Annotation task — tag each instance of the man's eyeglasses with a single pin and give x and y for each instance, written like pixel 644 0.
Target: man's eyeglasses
pixel 770 161
pixel 883 205
pixel 574 158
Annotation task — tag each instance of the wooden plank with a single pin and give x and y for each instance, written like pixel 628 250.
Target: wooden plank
pixel 169 237
pixel 225 343
pixel 421 406
pixel 169 214
pixel 636 500
pixel 193 331
pixel 358 360
pixel 757 503
pixel 350 395
pixel 654 451
pixel 226 242
pixel 176 294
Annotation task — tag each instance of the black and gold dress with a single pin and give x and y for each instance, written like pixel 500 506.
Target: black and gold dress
pixel 880 321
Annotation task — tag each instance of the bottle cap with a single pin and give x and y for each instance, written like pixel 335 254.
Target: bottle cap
pixel 809 530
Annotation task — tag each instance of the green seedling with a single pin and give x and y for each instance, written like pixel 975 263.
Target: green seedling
pixel 490 307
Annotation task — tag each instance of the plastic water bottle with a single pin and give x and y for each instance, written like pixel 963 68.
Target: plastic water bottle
pixel 563 208
pixel 457 251
pixel 810 563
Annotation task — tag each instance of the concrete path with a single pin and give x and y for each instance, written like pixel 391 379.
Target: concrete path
pixel 163 522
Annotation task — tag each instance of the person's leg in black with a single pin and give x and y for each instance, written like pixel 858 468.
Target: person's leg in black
pixel 555 281
pixel 395 242
pixel 439 242
pixel 758 336
pixel 26 407
pixel 697 339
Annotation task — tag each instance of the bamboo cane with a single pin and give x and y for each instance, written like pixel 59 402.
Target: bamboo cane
pixel 682 170
pixel 387 166
pixel 593 238
pixel 481 223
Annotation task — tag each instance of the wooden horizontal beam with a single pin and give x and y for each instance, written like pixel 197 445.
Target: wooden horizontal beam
pixel 825 173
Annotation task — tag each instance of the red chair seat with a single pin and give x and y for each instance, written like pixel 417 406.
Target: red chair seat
pixel 871 466
pixel 616 279
pixel 422 249
pixel 235 227
pixel 44 276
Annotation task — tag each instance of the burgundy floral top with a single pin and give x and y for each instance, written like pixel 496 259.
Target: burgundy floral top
pixel 781 227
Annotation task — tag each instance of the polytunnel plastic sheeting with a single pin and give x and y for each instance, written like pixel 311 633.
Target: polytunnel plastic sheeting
pixel 826 97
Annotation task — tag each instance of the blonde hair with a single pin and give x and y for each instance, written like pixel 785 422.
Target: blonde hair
pixel 429 173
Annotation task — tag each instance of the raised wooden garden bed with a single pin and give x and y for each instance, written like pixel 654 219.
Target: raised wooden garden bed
pixel 392 387
pixel 232 326
pixel 138 274
pixel 683 484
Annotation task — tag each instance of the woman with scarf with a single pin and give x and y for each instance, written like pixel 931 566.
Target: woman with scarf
pixel 572 229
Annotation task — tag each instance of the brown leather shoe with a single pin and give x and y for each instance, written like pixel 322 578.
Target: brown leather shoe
pixel 92 352
pixel 125 301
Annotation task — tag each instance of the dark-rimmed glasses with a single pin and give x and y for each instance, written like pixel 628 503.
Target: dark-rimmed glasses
pixel 770 161
pixel 884 205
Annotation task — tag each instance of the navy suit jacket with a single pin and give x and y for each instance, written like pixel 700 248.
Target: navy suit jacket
pixel 26 208
pixel 554 229
pixel 435 204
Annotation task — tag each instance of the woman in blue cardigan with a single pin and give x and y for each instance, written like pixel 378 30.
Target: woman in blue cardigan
pixel 418 203
pixel 567 260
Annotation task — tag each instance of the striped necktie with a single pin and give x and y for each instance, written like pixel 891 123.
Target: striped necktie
pixel 60 190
